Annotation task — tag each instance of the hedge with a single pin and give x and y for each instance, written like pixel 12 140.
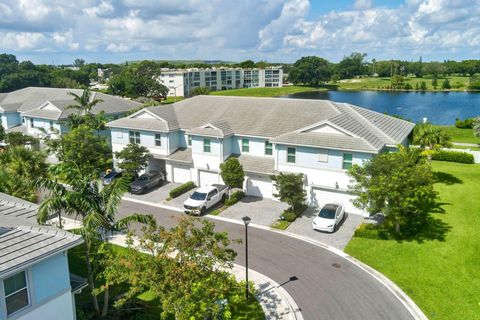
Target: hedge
pixel 291 216
pixel 234 198
pixel 453 156
pixel 465 124
pixel 182 189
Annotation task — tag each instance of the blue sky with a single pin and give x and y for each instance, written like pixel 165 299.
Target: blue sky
pixel 56 31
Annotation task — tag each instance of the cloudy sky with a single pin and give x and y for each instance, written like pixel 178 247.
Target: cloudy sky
pixel 58 31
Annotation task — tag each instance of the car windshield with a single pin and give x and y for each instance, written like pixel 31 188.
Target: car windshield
pixel 328 212
pixel 143 177
pixel 198 196
pixel 111 174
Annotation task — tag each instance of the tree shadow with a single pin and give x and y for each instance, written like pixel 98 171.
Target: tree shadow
pixel 431 228
pixel 446 178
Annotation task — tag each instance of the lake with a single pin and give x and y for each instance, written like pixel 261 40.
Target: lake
pixel 438 107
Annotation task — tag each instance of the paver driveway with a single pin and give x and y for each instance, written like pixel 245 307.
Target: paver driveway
pixel 261 211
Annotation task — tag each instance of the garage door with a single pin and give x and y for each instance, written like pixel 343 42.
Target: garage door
pixel 207 178
pixel 181 174
pixel 320 197
pixel 259 186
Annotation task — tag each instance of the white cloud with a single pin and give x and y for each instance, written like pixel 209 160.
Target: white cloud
pixel 363 4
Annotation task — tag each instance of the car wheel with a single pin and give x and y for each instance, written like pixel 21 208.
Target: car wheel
pixel 224 197
pixel 202 211
pixel 144 190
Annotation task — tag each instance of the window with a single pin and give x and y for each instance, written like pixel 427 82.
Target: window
pixel 322 155
pixel 31 123
pixel 291 155
pixel 347 160
pixel 189 140
pixel 120 134
pixel 268 148
pixel 134 136
pixel 245 145
pixel 206 145
pixel 16 292
pixel 158 139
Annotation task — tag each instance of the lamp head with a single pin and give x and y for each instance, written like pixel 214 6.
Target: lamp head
pixel 246 220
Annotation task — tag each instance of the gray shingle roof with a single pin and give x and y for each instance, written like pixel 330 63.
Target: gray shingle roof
pixel 20 128
pixel 256 164
pixel 27 99
pixel 182 155
pixel 20 246
pixel 274 117
pixel 325 140
pixel 140 124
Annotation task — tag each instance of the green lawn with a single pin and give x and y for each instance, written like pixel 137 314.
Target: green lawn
pixel 461 135
pixel 265 92
pixel 76 260
pixel 442 277
pixel 458 83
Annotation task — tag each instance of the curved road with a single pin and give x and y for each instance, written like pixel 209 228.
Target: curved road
pixel 327 286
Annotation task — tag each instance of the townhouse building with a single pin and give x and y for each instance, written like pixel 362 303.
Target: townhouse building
pixel 319 138
pixel 182 82
pixel 41 111
pixel 35 282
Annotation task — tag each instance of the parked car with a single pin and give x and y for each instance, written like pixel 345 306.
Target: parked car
pixel 146 182
pixel 109 177
pixel 204 198
pixel 329 217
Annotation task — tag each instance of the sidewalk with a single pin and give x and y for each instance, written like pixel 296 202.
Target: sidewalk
pixel 276 302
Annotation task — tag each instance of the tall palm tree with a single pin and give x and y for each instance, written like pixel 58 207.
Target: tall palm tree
pixel 430 138
pixel 97 209
pixel 84 101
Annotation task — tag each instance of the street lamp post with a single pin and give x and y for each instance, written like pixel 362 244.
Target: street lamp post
pixel 246 221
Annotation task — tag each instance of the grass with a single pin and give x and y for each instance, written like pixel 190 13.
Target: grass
pixel 461 135
pixel 281 224
pixel 241 310
pixel 376 83
pixel 442 277
pixel 465 147
pixel 265 92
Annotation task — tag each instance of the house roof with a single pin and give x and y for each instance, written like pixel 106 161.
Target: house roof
pixel 22 241
pixel 181 155
pixel 219 116
pixel 22 245
pixel 32 98
pixel 256 164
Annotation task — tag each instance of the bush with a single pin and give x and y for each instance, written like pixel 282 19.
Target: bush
pixel 291 216
pixel 234 198
pixel 371 231
pixel 182 189
pixel 453 156
pixel 465 124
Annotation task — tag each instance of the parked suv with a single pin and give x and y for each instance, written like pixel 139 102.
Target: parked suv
pixel 146 182
pixel 109 177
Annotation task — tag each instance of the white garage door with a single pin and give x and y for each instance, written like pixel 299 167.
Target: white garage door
pixel 320 197
pixel 260 186
pixel 181 174
pixel 208 178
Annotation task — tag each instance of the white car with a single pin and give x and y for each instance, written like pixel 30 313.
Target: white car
pixel 329 217
pixel 204 198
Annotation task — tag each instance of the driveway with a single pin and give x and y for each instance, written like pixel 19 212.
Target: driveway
pixel 261 211
pixel 339 239
pixel 157 195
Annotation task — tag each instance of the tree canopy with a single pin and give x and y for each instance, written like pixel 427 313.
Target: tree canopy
pixel 133 158
pixel 310 70
pixel 232 173
pixel 290 189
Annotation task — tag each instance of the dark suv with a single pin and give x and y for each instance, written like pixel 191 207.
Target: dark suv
pixel 146 182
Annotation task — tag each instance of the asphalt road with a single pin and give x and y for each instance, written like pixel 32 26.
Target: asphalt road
pixel 327 286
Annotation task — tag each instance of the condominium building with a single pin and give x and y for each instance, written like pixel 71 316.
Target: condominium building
pixel 182 82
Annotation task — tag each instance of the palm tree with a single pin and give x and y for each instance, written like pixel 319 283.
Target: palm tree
pixel 84 102
pixel 430 138
pixel 97 208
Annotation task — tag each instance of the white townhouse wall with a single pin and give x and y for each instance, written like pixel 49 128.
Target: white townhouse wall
pixel 318 138
pixel 182 82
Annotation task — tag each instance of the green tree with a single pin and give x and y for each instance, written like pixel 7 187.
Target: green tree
pixel 97 209
pixel 247 64
pixel 200 91
pixel 352 66
pixel 397 184
pixel 423 86
pixel 290 189
pixel 185 268
pixel 430 138
pixel 435 83
pixel 232 173
pixel 19 139
pixel 84 102
pixel 19 169
pixel 310 70
pixel 83 148
pixel 397 81
pixel 446 84
pixel 79 62
pixel 95 122
pixel 133 158
pixel 3 134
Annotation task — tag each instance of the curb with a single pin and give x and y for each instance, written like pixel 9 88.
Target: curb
pixel 293 313
pixel 408 303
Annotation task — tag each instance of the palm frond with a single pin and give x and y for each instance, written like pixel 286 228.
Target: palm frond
pixel 123 223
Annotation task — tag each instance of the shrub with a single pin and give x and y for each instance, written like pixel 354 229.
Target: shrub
pixel 181 189
pixel 234 198
pixel 465 124
pixel 371 231
pixel 453 156
pixel 291 216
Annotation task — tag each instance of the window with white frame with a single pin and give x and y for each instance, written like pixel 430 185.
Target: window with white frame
pixel 120 134
pixel 16 292
pixel 322 155
pixel 134 136
pixel 158 139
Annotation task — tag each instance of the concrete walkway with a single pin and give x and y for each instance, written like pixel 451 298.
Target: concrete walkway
pixel 276 302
